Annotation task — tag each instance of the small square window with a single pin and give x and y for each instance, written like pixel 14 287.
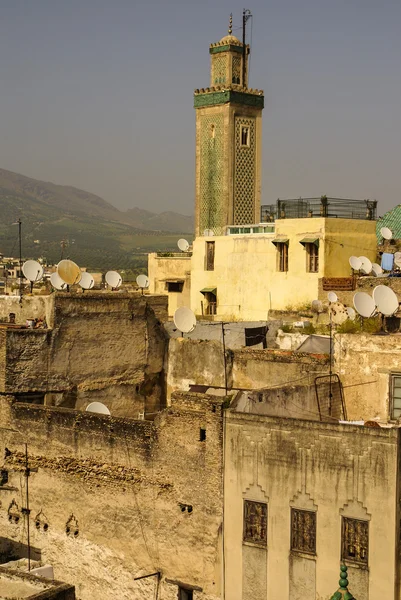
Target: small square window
pixel 303 531
pixel 174 286
pixel 255 522
pixel 355 540
pixel 245 136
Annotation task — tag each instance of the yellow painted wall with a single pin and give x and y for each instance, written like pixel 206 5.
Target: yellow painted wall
pixel 345 238
pixel 161 268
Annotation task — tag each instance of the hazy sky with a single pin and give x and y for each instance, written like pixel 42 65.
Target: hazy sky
pixel 98 94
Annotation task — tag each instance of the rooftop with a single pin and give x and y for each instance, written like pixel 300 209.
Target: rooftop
pixel 331 208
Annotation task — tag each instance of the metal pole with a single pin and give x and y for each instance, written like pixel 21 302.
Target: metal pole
pixel 27 511
pixel 331 358
pixel 20 257
pixel 224 357
pixel 243 46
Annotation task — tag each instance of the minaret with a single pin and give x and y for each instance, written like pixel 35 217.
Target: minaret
pixel 228 141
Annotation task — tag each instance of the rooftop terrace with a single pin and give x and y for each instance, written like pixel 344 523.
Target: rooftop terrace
pixel 332 208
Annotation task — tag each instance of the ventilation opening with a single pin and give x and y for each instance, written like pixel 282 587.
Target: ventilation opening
pixel 202 434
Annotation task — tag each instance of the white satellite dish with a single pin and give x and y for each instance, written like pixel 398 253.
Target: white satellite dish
pixel 332 297
pixel 355 262
pixel 98 407
pixel 376 269
pixel 183 245
pixel 317 306
pixel 386 233
pixel 351 313
pixel 385 300
pixel 364 304
pixel 87 282
pixel 32 270
pixel 184 319
pixel 397 259
pixel 113 279
pixel 338 313
pixel 69 272
pixel 142 281
pixel 366 266
pixel 57 282
pixel 208 233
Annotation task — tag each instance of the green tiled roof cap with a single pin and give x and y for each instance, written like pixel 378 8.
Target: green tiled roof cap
pixel 343 593
pixel 392 220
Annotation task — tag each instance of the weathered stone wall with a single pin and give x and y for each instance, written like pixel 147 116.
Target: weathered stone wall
pixel 31 307
pixel 136 497
pixel 104 347
pixel 201 362
pixel 15 584
pixel 363 284
pixel 364 364
pixel 331 469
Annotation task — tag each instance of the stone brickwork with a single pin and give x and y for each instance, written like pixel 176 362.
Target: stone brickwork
pixel 104 347
pixel 120 498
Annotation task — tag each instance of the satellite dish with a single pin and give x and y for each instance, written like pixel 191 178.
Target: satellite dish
pixel 385 300
pixel 364 304
pixel 317 306
pixel 351 313
pixel 208 233
pixel 113 279
pixel 87 282
pixel 142 281
pixel 366 266
pixel 386 233
pixel 184 320
pixel 338 313
pixel 98 407
pixel 332 297
pixel 183 245
pixel 57 282
pixel 355 262
pixel 32 270
pixel 397 259
pixel 69 272
pixel 376 269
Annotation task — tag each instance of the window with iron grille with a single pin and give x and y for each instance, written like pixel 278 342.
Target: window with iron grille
pixel 209 256
pixel 282 256
pixel 312 258
pixel 355 540
pixel 255 522
pixel 303 531
pixel 395 396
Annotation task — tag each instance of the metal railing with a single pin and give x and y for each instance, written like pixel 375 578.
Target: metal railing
pixel 332 208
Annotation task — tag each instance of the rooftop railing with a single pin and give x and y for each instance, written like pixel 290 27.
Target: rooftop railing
pixel 332 208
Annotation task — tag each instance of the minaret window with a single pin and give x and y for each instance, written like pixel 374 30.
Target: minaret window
pixel 213 131
pixel 245 136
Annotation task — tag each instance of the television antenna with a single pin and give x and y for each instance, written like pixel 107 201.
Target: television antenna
pixel 98 407
pixel 364 305
pixel 142 282
pixel 385 300
pixel 386 233
pixel 184 320
pixel 183 245
pixel 87 282
pixel 69 272
pixel 113 279
pixel 355 263
pixel 57 282
pixel 366 266
pixel 33 271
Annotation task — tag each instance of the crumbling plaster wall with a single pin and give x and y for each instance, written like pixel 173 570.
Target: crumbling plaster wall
pixel 128 485
pixel 333 469
pixel 201 362
pixel 364 364
pixel 31 307
pixel 104 347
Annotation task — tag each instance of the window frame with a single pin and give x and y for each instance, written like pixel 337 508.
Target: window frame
pixel 393 378
pixel 282 257
pixel 210 256
pixel 261 543
pixel 346 556
pixel 244 128
pixel 292 546
pixel 312 257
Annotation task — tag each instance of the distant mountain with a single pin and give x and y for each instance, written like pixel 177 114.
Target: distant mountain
pixel 93 231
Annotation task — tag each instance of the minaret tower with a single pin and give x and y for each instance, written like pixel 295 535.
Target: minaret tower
pixel 228 141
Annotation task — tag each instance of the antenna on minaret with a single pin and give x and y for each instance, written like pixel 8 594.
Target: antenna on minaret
pixel 246 14
pixel 230 26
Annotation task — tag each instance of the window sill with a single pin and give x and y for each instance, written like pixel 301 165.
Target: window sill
pixel 300 554
pixel 254 545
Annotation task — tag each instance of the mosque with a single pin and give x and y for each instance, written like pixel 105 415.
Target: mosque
pixel 248 259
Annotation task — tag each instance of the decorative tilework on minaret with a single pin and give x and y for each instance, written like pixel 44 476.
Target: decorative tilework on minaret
pixel 228 141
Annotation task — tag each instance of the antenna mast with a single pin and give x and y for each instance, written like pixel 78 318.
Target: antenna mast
pixel 246 14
